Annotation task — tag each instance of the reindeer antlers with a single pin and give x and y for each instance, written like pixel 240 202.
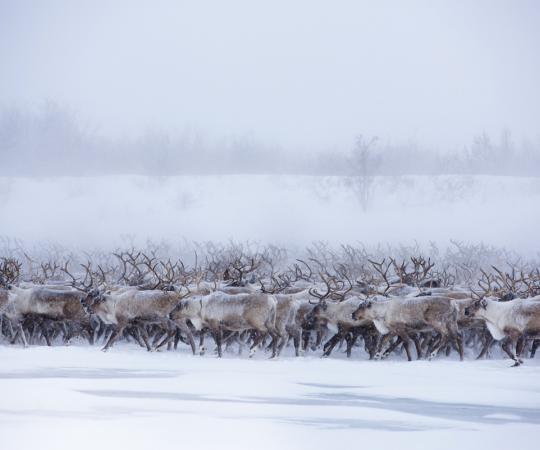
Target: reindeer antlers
pixel 10 270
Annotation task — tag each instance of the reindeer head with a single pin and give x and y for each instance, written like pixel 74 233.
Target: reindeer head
pixel 359 313
pixel 92 295
pixel 315 316
pixel 186 308
pixel 91 300
pixel 475 306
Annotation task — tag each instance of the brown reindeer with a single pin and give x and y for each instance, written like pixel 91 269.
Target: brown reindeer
pixel 402 315
pixel 240 312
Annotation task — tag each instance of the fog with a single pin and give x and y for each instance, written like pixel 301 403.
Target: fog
pixel 293 77
pixel 387 121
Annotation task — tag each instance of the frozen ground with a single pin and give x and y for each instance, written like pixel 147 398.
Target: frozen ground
pixel 279 209
pixel 80 398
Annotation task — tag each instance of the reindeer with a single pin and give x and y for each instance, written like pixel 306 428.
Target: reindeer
pixel 135 307
pixel 288 306
pixel 337 315
pixel 46 304
pixel 131 306
pixel 401 316
pixel 240 312
pixel 510 322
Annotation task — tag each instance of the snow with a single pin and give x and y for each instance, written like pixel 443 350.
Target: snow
pixel 278 209
pixel 79 397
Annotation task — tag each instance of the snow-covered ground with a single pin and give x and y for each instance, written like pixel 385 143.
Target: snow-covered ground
pixel 80 398
pixel 82 212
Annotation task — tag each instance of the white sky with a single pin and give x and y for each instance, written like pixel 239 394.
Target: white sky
pixel 302 74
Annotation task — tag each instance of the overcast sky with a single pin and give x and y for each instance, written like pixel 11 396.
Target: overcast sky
pixel 299 74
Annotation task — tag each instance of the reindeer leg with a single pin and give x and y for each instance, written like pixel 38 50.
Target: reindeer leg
pixel 352 338
pixel 535 345
pixel 306 335
pixel 191 340
pixel 101 330
pixel 202 348
pixel 9 332
pixel 176 340
pixel 282 342
pixel 296 341
pixel 381 341
pixel 20 331
pixel 166 340
pixel 506 346
pixel 45 333
pixel 320 336
pixel 458 337
pixel 258 339
pixel 135 332
pixel 331 343
pixel 391 347
pixel 114 335
pixel 417 345
pixel 158 337
pixel 218 337
pixel 371 342
pixel 14 336
pixel 144 335
pixel 277 337
pixel 183 327
pixel 441 342
pixel 406 341
pixel 520 345
pixel 487 343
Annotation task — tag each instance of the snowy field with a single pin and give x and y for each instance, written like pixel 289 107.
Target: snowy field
pixel 80 398
pixel 288 210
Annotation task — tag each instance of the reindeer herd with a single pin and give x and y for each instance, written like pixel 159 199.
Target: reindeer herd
pixel 240 300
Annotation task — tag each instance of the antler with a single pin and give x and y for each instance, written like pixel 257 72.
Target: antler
pixel 75 283
pixel 313 291
pixel 300 275
pixel 382 269
pixel 243 268
pixel 10 271
pixel 421 268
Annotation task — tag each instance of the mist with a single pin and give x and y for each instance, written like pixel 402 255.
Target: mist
pixel 299 77
pixel 361 115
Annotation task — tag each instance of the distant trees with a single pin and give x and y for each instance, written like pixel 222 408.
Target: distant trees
pixel 362 165
pixel 48 140
pixel 51 140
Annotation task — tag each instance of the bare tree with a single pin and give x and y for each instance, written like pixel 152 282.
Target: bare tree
pixel 362 164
